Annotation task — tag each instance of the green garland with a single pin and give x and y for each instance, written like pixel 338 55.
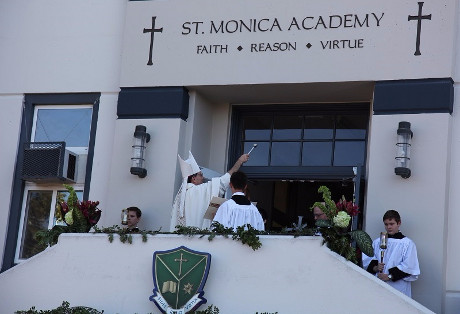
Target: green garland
pixel 246 233
pixel 248 237
pixel 337 241
pixel 64 308
pixel 124 233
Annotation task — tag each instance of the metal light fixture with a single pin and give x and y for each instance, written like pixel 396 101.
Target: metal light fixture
pixel 403 150
pixel 137 161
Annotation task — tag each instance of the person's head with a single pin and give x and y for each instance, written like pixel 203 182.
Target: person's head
pixel 134 215
pixel 392 221
pixel 238 181
pixel 196 178
pixel 318 214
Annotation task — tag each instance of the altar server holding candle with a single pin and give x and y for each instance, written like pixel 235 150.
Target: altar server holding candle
pixel 399 266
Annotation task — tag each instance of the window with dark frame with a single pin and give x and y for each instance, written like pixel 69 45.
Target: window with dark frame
pixel 39 200
pixel 302 138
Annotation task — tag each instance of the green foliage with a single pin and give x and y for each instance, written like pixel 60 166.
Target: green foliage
pixel 248 236
pixel 363 241
pixel 328 207
pixel 125 234
pixel 50 237
pixel 323 223
pixel 64 308
pixel 209 310
pixel 339 242
pixel 72 200
pixel 339 239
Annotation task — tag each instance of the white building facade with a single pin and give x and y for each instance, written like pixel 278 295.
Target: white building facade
pixel 320 87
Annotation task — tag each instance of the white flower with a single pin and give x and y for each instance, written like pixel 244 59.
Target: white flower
pixel 341 220
pixel 68 218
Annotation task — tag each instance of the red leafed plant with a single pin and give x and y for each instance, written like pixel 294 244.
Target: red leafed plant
pixel 349 207
pixel 73 216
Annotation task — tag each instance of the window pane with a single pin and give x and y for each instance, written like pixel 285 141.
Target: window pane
pixel 285 154
pixel 259 156
pixel 351 127
pixel 287 127
pixel 257 128
pixel 36 218
pixel 319 127
pixel 317 154
pixel 68 125
pixel 349 153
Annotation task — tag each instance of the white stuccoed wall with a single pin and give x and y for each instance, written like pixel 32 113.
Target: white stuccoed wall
pixel 58 47
pixel 422 199
pixel 63 46
pixel 286 275
pixel 453 245
pixel 152 194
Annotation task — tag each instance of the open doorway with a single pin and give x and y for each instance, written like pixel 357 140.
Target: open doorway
pixel 298 148
pixel 282 201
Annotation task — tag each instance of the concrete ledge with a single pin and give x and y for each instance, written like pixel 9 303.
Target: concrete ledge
pixel 286 275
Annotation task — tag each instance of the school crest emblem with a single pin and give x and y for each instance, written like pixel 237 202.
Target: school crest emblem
pixel 179 276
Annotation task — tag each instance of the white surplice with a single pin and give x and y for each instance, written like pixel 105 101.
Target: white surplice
pixel 197 198
pixel 230 214
pixel 400 253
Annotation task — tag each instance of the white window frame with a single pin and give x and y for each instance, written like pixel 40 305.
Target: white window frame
pixel 31 186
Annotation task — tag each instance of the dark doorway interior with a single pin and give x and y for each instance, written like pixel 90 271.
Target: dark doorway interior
pixel 284 200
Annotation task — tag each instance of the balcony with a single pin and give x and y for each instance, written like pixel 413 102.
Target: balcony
pixel 286 275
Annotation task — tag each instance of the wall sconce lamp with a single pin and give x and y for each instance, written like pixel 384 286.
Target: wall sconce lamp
pixel 137 161
pixel 403 150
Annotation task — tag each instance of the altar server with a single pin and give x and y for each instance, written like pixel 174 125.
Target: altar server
pixel 400 263
pixel 239 211
pixel 194 196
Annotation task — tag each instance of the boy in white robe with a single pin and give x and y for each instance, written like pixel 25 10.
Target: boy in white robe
pixel 239 211
pixel 194 196
pixel 400 263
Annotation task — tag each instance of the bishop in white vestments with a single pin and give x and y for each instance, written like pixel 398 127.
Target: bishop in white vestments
pixel 194 196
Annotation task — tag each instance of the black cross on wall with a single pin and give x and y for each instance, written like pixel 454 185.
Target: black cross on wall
pixel 152 32
pixel 419 19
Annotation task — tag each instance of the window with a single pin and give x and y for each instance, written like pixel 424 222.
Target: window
pixel 38 214
pixel 70 124
pixel 44 130
pixel 51 123
pixel 303 140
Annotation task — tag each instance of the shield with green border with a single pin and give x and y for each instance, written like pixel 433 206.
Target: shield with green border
pixel 179 276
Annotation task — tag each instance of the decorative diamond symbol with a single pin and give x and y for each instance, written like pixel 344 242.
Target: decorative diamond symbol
pixel 308 45
pixel 240 48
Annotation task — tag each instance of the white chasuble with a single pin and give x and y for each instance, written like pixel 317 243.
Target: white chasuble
pixel 400 253
pixel 197 198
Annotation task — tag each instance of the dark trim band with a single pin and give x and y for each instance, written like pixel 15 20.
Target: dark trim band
pixel 153 102
pixel 414 96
